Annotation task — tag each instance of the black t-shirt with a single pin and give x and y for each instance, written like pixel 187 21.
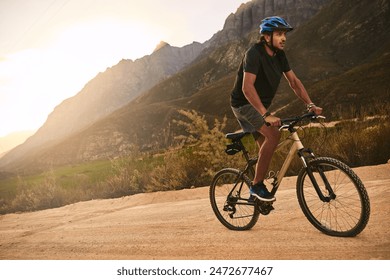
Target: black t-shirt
pixel 268 71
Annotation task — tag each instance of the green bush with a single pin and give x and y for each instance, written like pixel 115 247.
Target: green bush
pixel 47 194
pixel 197 157
pixel 360 143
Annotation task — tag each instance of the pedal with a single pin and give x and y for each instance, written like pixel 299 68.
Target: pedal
pixel 264 207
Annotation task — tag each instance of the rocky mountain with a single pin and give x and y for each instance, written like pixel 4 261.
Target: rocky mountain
pixel 332 52
pixel 346 70
pixel 120 84
pixel 107 92
pixel 248 16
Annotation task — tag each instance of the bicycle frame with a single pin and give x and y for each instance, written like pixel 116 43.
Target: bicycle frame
pixel 295 147
pixel 298 148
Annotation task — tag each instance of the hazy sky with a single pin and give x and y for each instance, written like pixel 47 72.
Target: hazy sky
pixel 49 49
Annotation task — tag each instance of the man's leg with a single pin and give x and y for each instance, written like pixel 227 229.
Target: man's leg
pixel 267 146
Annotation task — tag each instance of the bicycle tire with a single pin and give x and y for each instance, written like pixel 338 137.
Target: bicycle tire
pixel 344 216
pixel 234 212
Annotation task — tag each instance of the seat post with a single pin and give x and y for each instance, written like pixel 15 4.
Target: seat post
pixel 244 151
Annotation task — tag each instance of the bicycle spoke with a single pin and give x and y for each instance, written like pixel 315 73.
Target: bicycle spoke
pixel 347 212
pixel 229 195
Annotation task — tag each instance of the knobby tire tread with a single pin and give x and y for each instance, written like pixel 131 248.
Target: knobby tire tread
pixel 215 208
pixel 365 203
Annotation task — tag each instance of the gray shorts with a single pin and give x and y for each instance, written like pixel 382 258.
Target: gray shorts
pixel 249 118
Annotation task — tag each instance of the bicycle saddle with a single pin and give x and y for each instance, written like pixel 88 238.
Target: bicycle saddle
pixel 236 135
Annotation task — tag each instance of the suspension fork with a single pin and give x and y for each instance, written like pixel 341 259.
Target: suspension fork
pixel 309 170
pixel 304 154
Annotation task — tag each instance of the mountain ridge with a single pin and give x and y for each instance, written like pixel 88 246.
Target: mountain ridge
pixel 105 93
pixel 11 140
pixel 204 85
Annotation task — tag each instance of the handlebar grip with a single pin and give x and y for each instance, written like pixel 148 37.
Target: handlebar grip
pixel 309 114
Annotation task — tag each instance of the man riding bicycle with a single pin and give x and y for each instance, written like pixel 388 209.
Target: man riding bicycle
pixel 256 83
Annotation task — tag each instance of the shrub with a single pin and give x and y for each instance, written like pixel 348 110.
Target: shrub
pixel 193 162
pixel 198 156
pixel 47 194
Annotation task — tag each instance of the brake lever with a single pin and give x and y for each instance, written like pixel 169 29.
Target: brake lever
pixel 319 117
pixel 284 126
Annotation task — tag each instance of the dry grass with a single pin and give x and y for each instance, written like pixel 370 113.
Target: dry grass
pixel 193 162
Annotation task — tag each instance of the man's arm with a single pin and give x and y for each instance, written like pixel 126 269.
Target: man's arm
pixel 300 90
pixel 249 90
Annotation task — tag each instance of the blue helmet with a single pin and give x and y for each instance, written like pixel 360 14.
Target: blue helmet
pixel 271 24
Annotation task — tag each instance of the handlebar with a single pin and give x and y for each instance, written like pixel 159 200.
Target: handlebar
pixel 291 122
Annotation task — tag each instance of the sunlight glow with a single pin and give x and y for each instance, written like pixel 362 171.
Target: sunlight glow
pixel 108 40
pixel 49 50
pixel 61 70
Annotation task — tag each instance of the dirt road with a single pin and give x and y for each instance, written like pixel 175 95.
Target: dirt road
pixel 181 225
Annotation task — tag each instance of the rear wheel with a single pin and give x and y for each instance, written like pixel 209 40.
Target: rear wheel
pixel 229 195
pixel 346 211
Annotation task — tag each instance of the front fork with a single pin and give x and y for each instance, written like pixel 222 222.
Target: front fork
pixel 306 154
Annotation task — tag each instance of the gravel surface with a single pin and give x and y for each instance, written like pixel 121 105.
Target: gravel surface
pixel 180 225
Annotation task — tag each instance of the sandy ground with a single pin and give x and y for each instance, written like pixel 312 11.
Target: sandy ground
pixel 181 225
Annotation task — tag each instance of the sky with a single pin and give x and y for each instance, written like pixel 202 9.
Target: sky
pixel 49 49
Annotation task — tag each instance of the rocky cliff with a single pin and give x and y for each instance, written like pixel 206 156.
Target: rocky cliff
pixel 208 77
pixel 107 92
pixel 248 16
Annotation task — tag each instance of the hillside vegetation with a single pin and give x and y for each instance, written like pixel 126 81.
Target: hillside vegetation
pixel 172 135
pixel 192 162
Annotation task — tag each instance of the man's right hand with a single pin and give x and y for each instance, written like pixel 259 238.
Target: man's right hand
pixel 272 121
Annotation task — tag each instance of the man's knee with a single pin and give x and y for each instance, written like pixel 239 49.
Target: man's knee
pixel 273 137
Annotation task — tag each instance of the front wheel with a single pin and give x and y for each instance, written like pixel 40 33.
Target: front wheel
pixel 345 208
pixel 229 198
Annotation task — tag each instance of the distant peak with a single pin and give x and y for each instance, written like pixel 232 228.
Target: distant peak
pixel 161 45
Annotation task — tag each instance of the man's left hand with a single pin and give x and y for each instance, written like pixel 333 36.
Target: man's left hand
pixel 316 110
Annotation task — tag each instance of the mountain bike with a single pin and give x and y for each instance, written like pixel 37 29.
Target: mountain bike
pixel 330 194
